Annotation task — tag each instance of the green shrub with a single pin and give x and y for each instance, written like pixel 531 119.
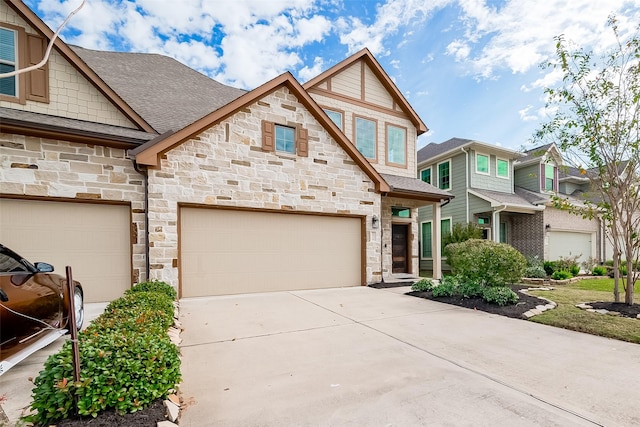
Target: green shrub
pixel 461 232
pixel 422 285
pixel 550 267
pixel 155 286
pixel 500 295
pixel 470 289
pixel 447 287
pixel 574 270
pixel 127 361
pixel 599 270
pixel 567 263
pixel 561 275
pixel 535 272
pixel 486 262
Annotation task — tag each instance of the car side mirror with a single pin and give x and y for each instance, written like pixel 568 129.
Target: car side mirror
pixel 43 267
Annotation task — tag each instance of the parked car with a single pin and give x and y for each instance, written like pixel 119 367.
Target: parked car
pixel 34 307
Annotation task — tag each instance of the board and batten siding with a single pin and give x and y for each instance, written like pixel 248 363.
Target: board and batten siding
pixel 528 177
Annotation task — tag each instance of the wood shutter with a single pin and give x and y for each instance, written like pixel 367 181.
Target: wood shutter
pixel 302 142
pixel 268 136
pixel 37 81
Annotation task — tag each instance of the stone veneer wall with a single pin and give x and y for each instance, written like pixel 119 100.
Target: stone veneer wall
pixel 70 94
pixel 382 118
pixel 230 169
pixel 53 169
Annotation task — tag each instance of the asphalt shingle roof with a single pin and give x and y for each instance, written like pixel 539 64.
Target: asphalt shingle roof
pixel 503 198
pixel 535 153
pixel 433 149
pixel 167 94
pixel 78 125
pixel 414 185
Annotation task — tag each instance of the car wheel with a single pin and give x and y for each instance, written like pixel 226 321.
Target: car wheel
pixel 78 302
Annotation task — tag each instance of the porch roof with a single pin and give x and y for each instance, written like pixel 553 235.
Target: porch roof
pixel 511 201
pixel 413 188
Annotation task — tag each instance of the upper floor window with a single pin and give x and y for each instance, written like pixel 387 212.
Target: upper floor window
pixel 444 175
pixel 8 61
pixel 425 175
pixel 336 117
pixel 549 177
pixel 396 145
pixel 366 137
pixel 18 50
pixel 482 164
pixel 285 140
pixel 502 168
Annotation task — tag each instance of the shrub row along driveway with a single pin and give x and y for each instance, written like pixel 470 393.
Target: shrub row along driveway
pixel 362 356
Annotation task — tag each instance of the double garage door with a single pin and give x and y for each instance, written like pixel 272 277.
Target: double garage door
pixel 94 239
pixel 224 251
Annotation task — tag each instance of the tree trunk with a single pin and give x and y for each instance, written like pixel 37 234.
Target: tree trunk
pixel 616 274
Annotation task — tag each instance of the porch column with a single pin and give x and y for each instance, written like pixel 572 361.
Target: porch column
pixel 436 242
pixel 496 226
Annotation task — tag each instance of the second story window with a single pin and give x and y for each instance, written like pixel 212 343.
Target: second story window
pixel 482 164
pixel 365 131
pixel 8 61
pixel 549 177
pixel 444 175
pixel 285 140
pixel 425 175
pixel 502 168
pixel 396 145
pixel 336 117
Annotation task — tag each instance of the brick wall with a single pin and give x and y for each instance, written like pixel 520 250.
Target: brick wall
pixel 230 169
pixel 527 233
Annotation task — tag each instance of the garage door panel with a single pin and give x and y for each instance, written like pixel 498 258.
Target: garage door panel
pixel 569 244
pixel 94 239
pixel 230 252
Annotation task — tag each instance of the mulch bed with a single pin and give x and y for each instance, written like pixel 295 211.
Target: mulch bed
pixel 524 304
pixel 147 417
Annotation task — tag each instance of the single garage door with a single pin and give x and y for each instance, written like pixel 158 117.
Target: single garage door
pixel 570 244
pixel 94 239
pixel 230 252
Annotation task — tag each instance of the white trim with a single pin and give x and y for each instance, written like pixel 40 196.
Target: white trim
pixel 422 245
pixel 430 174
pixel 488 172
pixel 438 175
pixel 511 207
pixel 508 168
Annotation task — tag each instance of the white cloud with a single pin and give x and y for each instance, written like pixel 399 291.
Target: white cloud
pixel 525 115
pixel 519 35
pixel 307 73
pixel 459 49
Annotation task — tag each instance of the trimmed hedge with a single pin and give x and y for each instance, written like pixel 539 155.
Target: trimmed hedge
pixel 127 360
pixel 486 262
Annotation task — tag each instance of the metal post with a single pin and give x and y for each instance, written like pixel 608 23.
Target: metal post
pixel 73 329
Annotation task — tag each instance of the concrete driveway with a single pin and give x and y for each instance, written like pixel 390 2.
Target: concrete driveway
pixel 369 357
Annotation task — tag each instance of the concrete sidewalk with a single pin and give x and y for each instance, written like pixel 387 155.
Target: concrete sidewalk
pixel 362 356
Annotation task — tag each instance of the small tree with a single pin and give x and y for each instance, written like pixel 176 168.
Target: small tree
pixel 597 124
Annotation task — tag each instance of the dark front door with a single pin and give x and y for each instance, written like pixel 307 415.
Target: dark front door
pixel 399 251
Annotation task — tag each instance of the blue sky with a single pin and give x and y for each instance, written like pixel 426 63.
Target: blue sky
pixel 470 68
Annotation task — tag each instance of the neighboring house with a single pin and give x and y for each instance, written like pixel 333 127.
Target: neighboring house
pixel 508 194
pixel 132 166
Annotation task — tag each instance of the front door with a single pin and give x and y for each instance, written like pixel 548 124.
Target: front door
pixel 399 251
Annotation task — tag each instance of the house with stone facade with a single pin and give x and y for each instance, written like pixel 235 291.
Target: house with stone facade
pixel 508 194
pixel 132 166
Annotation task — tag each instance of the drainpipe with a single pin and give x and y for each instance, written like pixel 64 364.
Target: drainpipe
pixel 145 176
pixel 496 226
pixel 466 182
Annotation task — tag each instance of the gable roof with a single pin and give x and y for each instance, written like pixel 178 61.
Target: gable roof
pixel 158 86
pixel 433 152
pixel 149 153
pixel 366 56
pixel 535 155
pixel 513 202
pixel 413 188
pixel 32 19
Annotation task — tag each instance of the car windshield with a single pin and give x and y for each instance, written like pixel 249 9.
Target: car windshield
pixel 9 264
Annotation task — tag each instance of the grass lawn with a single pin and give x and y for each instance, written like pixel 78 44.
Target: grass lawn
pixel 568 316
